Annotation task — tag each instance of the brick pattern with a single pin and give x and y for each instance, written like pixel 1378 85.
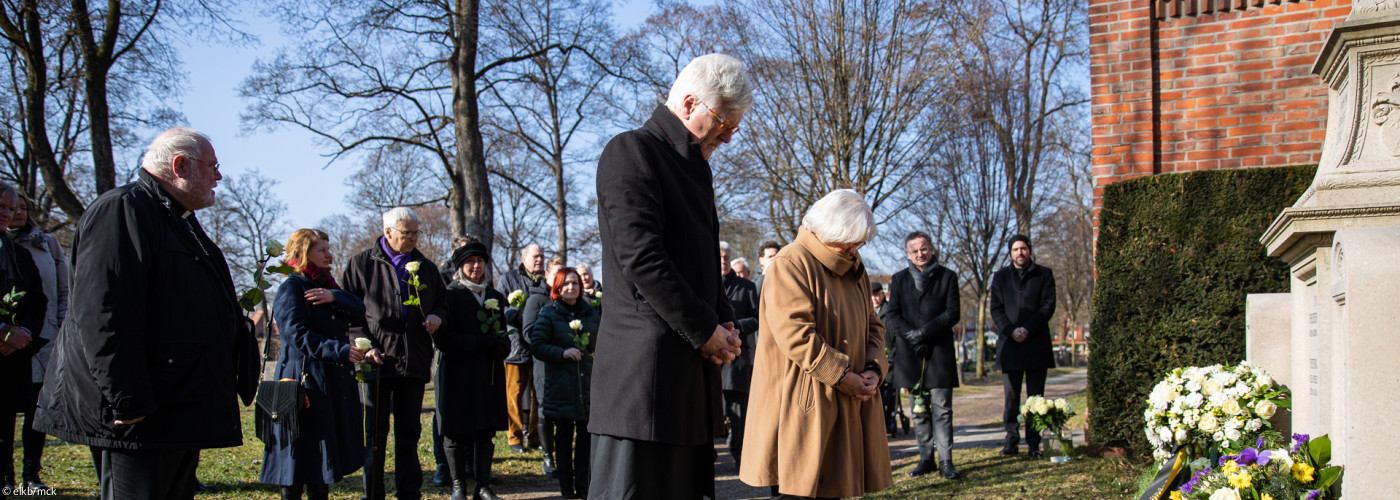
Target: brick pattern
pixel 1183 85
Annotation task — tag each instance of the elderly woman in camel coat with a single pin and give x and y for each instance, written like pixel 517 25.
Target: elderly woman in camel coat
pixel 815 428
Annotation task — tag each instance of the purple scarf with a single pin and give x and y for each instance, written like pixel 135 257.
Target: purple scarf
pixel 399 261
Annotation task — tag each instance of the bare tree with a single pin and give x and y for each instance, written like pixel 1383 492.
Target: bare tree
pixel 245 216
pixel 1066 243
pixel 1021 57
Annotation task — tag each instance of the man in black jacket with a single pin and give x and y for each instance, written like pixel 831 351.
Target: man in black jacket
pixel 656 390
pixel 735 376
pixel 144 369
pixel 1022 303
pixel 923 307
pixel 403 292
pixel 766 252
pixel 522 414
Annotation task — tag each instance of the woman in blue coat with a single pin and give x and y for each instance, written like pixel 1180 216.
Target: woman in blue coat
pixel 313 314
pixel 558 340
pixel 471 376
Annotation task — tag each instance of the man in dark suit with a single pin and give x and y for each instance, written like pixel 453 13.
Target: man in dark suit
pixel 1023 300
pixel 735 376
pixel 656 405
pixel 922 309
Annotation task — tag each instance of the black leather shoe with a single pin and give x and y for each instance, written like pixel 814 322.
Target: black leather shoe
pixel 36 484
pixel 518 448
pixel 1035 455
pixel 289 492
pixel 948 471
pixel 442 477
pixel 459 490
pixel 923 468
pixel 484 493
pixel 1009 449
pixel 549 468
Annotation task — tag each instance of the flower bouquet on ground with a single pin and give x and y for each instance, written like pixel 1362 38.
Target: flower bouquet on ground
pixel 1210 411
pixel 1266 472
pixel 1048 415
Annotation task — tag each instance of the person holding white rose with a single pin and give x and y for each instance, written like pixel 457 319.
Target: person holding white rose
pixel 313 315
pixel 563 337
pixel 471 377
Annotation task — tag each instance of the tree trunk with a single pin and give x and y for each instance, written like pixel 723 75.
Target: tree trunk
pixel 981 331
pixel 473 207
pixel 104 165
pixel 561 206
pixel 36 137
pixel 1022 209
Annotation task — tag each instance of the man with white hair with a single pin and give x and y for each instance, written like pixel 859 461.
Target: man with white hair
pixel 656 405
pixel 740 266
pixel 402 291
pixel 147 364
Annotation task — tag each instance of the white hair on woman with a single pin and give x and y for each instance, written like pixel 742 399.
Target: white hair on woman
pixel 717 80
pixel 394 216
pixel 182 141
pixel 842 216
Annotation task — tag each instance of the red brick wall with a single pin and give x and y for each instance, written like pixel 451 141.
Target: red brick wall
pixel 1181 85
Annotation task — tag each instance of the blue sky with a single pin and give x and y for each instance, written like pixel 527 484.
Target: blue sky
pixel 310 187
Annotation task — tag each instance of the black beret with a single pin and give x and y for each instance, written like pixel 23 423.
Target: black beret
pixel 471 248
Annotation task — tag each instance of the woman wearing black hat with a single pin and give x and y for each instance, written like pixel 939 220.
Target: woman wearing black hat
pixel 473 345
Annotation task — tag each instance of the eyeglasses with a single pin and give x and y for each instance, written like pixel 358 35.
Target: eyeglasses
pixel 411 234
pixel 212 164
pixel 724 126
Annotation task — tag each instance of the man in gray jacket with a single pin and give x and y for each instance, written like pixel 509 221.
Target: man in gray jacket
pixel 521 411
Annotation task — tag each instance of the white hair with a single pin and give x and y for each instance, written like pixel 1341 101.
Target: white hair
pixel 394 216
pixel 841 217
pixel 739 261
pixel 178 141
pixel 724 246
pixel 717 80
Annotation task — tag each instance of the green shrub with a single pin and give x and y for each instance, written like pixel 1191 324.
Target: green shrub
pixel 1176 256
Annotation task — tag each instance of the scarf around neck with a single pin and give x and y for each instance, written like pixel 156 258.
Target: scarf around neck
pixel 320 275
pixel 921 277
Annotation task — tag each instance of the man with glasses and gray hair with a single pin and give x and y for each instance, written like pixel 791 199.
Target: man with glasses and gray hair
pixel 400 321
pixel 656 403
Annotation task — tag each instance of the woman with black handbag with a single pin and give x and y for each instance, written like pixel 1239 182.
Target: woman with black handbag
pixel 325 440
pixel 471 378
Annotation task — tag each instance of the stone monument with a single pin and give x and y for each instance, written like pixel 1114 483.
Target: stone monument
pixel 1341 320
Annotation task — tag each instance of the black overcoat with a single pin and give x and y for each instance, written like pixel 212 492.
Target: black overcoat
pixel 471 373
pixel 330 443
pixel 407 346
pixel 16 370
pixel 660 233
pixel 743 298
pixel 566 382
pixel 932 312
pixel 1024 302
pixel 152 331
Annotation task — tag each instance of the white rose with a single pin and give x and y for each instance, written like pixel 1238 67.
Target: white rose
pixel 1232 433
pixel 1212 386
pixel 1225 494
pixel 1254 425
pixel 412 267
pixel 1193 400
pixel 1041 407
pixel 363 344
pixel 1180 434
pixel 1164 435
pixel 1193 386
pixel 1208 423
pixel 493 304
pixel 1265 408
pixel 576 325
pixel 1284 459
pixel 1232 407
pixel 1061 404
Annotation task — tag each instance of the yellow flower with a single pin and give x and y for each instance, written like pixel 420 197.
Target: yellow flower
pixel 1241 480
pixel 1266 496
pixel 1230 467
pixel 1176 495
pixel 1303 472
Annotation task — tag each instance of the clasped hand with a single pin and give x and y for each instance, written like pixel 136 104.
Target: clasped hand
pixel 1020 334
pixel 861 386
pixel 723 346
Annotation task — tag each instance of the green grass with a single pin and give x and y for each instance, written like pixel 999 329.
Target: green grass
pixel 987 475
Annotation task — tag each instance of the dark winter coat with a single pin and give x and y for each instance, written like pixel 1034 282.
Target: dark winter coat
pixel 330 443
pixel 153 331
pixel 743 298
pixel 932 312
pixel 18 272
pixel 406 345
pixel 471 380
pixel 660 233
pixel 1024 302
pixel 518 279
pixel 566 382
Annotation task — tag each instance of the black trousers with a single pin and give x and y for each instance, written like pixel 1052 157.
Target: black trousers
pixel 1011 390
pixel 629 469
pixel 146 475
pixel 736 408
pixel 546 426
pixel 402 398
pixel 571 448
pixel 470 451
pixel 33 442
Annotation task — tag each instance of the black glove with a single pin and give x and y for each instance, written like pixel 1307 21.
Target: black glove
pixel 913 337
pixel 922 351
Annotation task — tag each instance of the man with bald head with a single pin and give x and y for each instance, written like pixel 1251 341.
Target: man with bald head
pixel 145 369
pixel 521 411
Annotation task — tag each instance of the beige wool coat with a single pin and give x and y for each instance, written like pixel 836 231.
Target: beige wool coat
pixel 802 434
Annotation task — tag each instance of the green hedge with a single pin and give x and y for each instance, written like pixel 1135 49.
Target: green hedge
pixel 1176 255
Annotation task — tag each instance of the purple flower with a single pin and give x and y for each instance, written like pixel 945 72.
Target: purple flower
pixel 1246 456
pixel 1259 443
pixel 1312 495
pixel 1264 457
pixel 1298 441
pixel 1195 480
pixel 1226 458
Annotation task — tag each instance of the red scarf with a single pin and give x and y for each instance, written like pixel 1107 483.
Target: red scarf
pixel 318 274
